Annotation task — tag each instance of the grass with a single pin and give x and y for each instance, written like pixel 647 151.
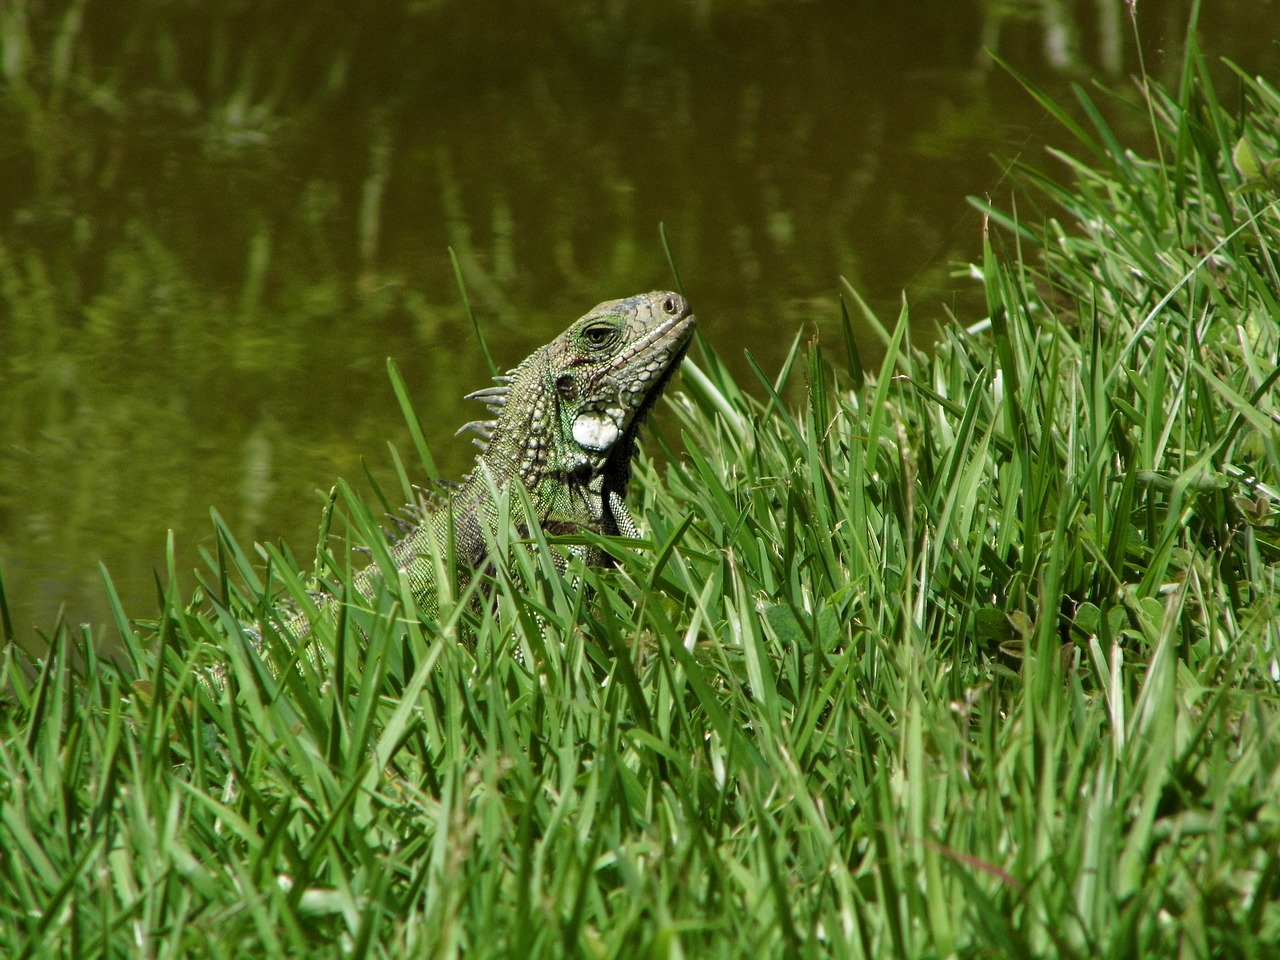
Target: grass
pixel 979 657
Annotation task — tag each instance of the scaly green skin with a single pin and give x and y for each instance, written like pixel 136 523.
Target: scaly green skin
pixel 565 426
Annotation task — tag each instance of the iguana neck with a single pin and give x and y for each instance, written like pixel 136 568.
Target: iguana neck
pixel 528 441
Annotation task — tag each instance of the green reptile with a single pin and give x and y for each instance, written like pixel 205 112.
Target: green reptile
pixel 564 424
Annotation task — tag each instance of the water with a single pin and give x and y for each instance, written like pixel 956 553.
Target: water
pixel 218 222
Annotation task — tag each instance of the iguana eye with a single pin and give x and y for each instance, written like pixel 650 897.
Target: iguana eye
pixel 600 335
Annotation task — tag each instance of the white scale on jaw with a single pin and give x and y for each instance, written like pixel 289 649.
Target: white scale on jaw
pixel 597 431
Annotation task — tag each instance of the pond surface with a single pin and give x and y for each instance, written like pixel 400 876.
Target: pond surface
pixel 219 220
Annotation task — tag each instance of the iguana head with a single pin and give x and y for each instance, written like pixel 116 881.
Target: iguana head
pixel 610 368
pixel 573 407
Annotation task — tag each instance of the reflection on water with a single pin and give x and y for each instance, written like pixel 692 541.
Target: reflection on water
pixel 219 220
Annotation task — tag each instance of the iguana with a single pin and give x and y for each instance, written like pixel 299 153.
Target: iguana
pixel 564 423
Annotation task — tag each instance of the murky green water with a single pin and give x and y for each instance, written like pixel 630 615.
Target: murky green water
pixel 218 220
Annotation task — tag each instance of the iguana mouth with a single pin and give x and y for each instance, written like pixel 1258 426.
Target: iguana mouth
pixel 680 329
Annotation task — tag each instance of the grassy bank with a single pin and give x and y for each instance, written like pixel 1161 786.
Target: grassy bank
pixel 975 657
